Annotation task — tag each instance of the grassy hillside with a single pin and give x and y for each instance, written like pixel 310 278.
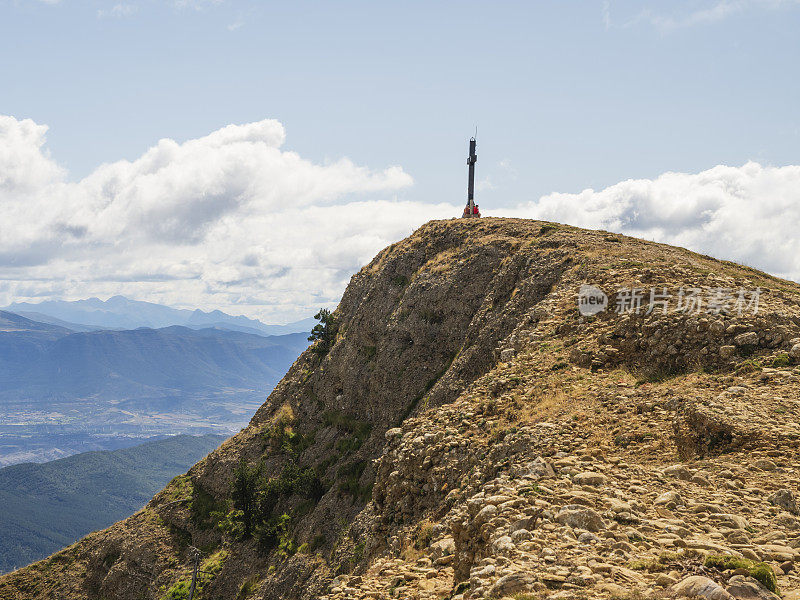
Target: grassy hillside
pixel 47 506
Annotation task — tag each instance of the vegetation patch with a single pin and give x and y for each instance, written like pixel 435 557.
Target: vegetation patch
pixel 281 437
pixel 248 587
pixel 324 333
pixel 666 561
pixel 349 477
pixel 757 570
pixel 358 431
pixel 180 488
pixel 547 228
pixel 423 535
pixel 749 366
pixel 781 360
pixel 205 508
pixel 206 573
pixel 400 281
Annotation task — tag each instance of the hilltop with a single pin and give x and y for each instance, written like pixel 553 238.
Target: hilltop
pixel 470 434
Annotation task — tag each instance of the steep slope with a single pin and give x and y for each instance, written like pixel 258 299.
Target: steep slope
pixel 47 506
pixel 471 434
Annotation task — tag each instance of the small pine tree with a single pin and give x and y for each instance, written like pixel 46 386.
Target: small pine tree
pixel 245 494
pixel 324 332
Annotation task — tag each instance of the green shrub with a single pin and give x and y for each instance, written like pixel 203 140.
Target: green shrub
pixel 763 572
pixel 207 572
pixel 205 508
pixel 255 499
pixel 758 570
pixel 782 360
pixel 423 536
pixel 244 493
pixel 324 333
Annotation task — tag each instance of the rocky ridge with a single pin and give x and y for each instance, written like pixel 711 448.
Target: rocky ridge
pixel 474 436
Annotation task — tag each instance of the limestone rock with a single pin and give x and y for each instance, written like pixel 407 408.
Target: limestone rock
pixel 580 517
pixel 746 339
pixel 698 586
pixel 786 499
pixel 747 588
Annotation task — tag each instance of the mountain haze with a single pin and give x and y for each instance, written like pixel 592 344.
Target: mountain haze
pixel 63 391
pixel 119 312
pixel 469 434
pixel 141 362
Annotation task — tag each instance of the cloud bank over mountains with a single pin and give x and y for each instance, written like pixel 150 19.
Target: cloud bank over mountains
pixel 232 221
pixel 229 220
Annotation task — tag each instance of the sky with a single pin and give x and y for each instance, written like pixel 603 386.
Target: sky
pixel 250 156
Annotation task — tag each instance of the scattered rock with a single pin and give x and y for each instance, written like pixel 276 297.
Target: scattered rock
pixel 507 354
pixel 794 353
pixel 746 339
pixel 747 588
pixel 785 499
pixel 589 478
pixel 511 584
pixel 698 586
pixel 580 517
pixel 765 465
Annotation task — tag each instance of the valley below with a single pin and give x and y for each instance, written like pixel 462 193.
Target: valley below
pixel 63 428
pixel 64 391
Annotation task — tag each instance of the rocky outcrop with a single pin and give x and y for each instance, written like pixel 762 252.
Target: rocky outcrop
pixel 471 435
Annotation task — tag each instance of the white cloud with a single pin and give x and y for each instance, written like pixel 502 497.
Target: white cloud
pixel 712 12
pixel 748 214
pixel 24 164
pixel 605 12
pixel 197 4
pixel 229 221
pixel 233 221
pixel 118 11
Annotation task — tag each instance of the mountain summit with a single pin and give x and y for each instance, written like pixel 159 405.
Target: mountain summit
pixel 471 429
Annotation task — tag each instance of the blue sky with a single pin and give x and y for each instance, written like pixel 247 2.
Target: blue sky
pixel 566 95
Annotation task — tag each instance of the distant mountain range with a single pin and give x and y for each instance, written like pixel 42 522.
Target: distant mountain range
pixel 119 312
pixel 64 391
pixel 48 506
pixel 41 359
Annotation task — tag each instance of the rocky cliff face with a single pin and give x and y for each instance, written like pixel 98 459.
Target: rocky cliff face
pixel 471 435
